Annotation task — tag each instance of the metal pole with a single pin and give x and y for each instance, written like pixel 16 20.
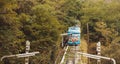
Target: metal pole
pixel 27 51
pixel 88 33
pixel 99 52
pixel 88 40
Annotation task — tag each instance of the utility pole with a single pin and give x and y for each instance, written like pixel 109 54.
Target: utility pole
pixel 88 40
pixel 98 52
pixel 88 33
pixel 27 51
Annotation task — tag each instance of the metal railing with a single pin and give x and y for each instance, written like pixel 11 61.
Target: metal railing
pixel 97 57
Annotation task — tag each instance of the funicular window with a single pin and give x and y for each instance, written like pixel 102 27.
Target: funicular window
pixel 73 37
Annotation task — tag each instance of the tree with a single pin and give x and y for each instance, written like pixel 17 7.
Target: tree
pixel 29 20
pixel 11 38
pixel 112 51
pixel 70 12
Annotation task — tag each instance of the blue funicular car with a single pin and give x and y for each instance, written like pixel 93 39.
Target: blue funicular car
pixel 73 35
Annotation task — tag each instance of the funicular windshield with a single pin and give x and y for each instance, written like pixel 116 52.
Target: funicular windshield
pixel 73 37
pixel 74 34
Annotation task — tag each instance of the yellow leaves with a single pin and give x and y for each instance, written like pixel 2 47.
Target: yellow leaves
pixel 8 6
pixel 101 24
pixel 102 27
pixel 116 40
pixel 112 51
pixel 107 32
pixel 24 17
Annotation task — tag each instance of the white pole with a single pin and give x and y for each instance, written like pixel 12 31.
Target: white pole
pixel 99 52
pixel 27 51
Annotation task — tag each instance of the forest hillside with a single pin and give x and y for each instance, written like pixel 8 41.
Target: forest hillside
pixel 42 21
